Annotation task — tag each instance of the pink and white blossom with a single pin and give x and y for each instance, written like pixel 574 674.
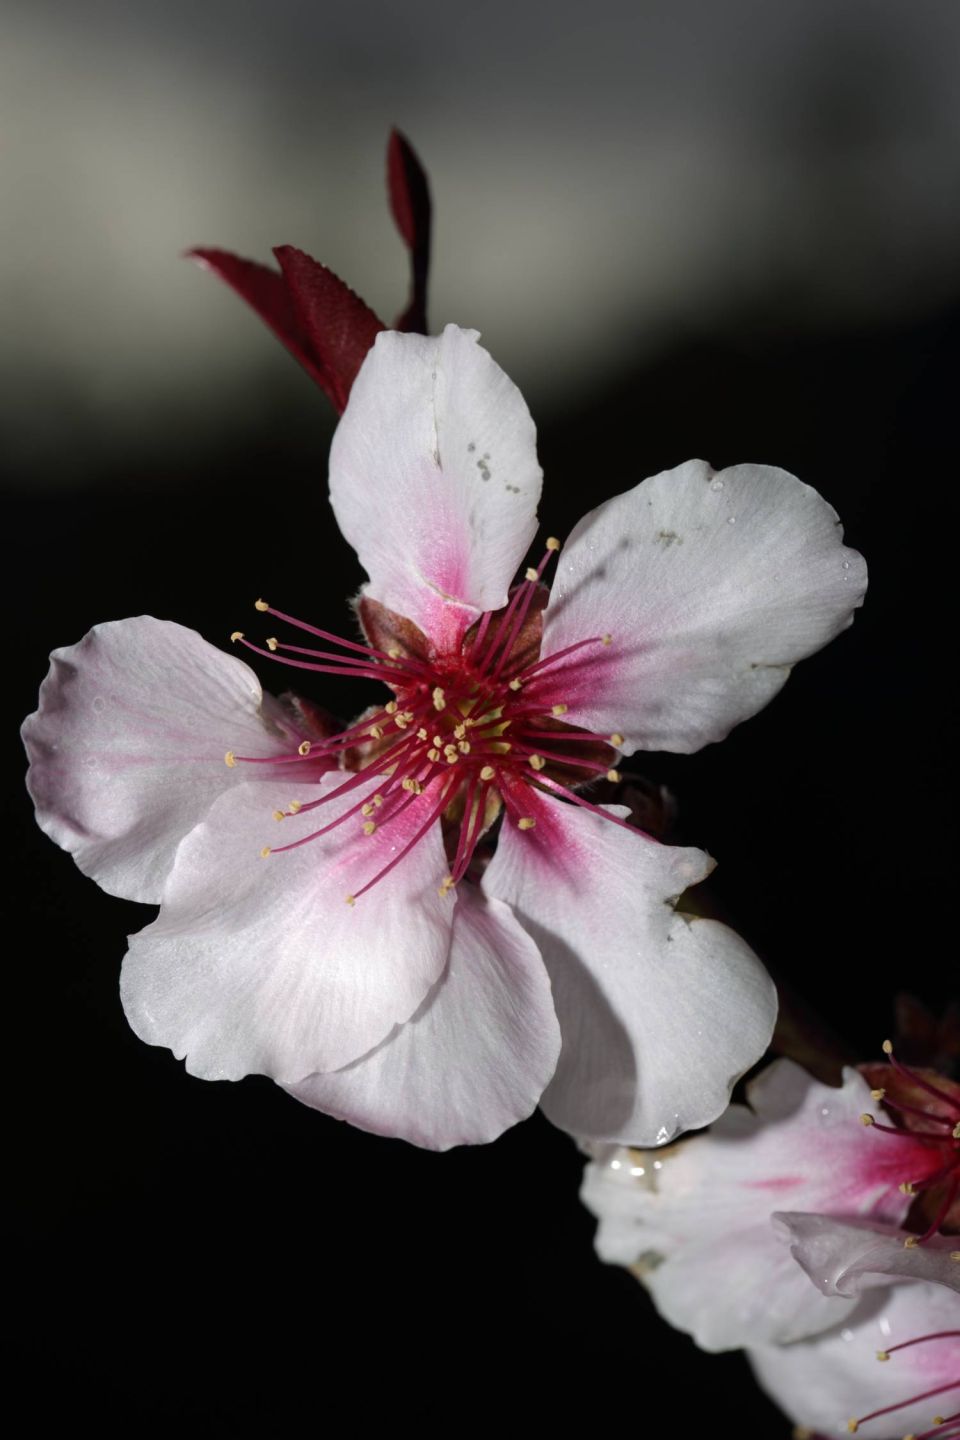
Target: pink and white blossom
pixel 855 1377
pixel 702 1225
pixel 369 964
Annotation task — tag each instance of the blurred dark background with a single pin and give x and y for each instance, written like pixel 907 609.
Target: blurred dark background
pixel 684 229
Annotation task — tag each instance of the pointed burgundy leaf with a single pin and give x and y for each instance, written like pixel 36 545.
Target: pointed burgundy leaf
pixel 340 328
pixel 266 291
pixel 409 194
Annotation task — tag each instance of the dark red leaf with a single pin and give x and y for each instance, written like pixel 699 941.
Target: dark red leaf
pixel 266 291
pixel 339 327
pixel 409 195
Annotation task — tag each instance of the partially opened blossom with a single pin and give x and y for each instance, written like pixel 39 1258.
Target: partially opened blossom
pixel 891 1369
pixel 701 1223
pixel 361 955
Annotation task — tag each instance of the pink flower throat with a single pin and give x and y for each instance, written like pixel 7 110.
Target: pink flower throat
pixel 476 728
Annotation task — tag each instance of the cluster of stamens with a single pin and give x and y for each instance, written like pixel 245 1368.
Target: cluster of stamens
pixel 474 730
pixel 935 1126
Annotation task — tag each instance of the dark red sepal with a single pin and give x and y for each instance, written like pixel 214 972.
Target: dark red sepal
pixel 340 328
pixel 265 290
pixel 409 194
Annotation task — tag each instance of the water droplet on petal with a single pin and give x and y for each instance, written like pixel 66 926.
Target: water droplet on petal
pixel 731 519
pixel 663 1135
pixel 717 485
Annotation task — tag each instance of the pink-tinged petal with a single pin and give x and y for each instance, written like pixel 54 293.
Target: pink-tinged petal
pixel 127 746
pixel 697 1217
pixel 340 327
pixel 844 1257
pixel 824 1383
pixel 434 479
pixel 409 194
pixel 711 586
pixel 475 1057
pixel 259 965
pixel 660 1013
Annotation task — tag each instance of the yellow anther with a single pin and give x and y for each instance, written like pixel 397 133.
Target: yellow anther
pixel 537 762
pixel 261 605
pixel 439 703
pixel 366 809
pixel 853 1426
pixel 369 826
pixel 955 1254
pixel 607 639
pixel 236 635
pixel 279 815
pixel 911 1242
pixel 616 739
pixel 378 799
pixel 402 720
pixel 295 807
pixel 391 707
pixel 459 732
pixel 421 733
pixel 877 1094
pixel 303 748
pixel 230 759
pixel 375 732
pixel 887 1047
pixel 956 1131
pixel 438 741
pixel 433 754
pixel 446 886
pixel 613 776
pixel 272 643
pixel 350 900
pixel 530 574
pixel 559 709
pixel 394 652
pixel 414 786
pixel 526 822
pixel 264 852
pixel 553 543
pixel 883 1354
pixel 464 747
pixel 515 684
pixel 487 773
pixel 907 1188
pixel 866 1119
pixel 800 1432
pixel 450 755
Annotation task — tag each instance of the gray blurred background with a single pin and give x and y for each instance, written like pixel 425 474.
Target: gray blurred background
pixel 607 177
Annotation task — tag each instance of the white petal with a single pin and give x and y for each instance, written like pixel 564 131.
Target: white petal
pixel 476 1056
pixel 259 966
pixel 705 1210
pixel 434 478
pixel 825 1382
pixel 660 1013
pixel 127 747
pixel 844 1257
pixel 711 586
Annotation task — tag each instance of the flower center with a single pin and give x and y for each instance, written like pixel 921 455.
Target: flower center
pixel 928 1114
pixel 478 729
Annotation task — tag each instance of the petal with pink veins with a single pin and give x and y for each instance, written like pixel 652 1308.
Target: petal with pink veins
pixel 660 1013
pixel 716 1262
pixel 434 479
pixel 824 1383
pixel 127 746
pixel 844 1257
pixel 711 587
pixel 260 966
pixel 475 1057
